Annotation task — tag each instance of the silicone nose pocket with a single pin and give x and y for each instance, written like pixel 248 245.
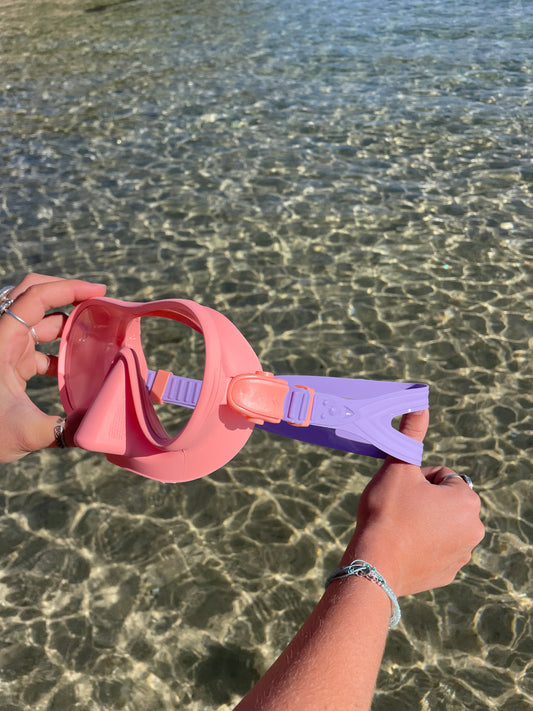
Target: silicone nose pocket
pixel 111 424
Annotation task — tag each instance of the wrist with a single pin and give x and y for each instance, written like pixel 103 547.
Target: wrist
pixel 362 569
pixel 381 551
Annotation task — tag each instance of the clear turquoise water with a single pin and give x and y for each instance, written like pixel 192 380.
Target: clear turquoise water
pixel 351 183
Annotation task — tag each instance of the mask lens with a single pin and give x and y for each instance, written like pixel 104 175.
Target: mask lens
pixel 95 337
pixel 178 349
pixel 100 330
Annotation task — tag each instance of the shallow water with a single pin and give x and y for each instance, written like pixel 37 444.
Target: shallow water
pixel 352 185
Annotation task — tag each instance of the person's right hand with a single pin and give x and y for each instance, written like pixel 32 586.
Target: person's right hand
pixel 416 526
pixel 23 426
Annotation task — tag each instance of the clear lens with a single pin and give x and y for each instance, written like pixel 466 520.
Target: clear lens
pixel 93 342
pixel 101 330
pixel 172 346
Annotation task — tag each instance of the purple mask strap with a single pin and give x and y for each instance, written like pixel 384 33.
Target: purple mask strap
pixel 350 415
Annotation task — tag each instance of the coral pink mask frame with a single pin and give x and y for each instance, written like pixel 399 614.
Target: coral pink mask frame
pixel 102 380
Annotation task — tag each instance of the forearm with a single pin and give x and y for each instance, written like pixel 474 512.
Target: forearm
pixel 406 527
pixel 333 661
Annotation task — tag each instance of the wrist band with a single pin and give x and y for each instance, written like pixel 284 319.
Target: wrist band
pixel 362 569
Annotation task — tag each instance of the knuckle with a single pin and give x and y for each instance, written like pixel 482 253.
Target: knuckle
pixel 450 577
pixel 29 279
pixel 480 532
pixel 474 501
pixel 467 557
pixel 32 288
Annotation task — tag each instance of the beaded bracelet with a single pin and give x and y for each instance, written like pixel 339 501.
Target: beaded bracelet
pixel 364 570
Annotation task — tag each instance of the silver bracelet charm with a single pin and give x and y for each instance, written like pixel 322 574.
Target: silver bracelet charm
pixel 362 569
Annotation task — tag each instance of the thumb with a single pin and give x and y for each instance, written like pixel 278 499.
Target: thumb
pixel 415 425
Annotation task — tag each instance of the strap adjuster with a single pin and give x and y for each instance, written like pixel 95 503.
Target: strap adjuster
pixel 300 406
pixel 258 396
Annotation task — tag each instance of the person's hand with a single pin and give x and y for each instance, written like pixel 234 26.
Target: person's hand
pixel 23 426
pixel 416 526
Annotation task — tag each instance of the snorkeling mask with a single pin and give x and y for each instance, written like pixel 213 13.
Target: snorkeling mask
pixel 105 381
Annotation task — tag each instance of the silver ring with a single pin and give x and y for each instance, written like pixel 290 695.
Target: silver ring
pixel 21 320
pixel 464 477
pixel 4 305
pixel 59 433
pixel 4 291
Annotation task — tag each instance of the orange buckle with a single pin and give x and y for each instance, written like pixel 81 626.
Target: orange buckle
pixel 258 396
pixel 158 386
pixel 307 404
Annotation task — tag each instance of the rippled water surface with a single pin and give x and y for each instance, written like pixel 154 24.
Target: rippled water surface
pixel 350 182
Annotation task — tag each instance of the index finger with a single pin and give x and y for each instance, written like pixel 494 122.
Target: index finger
pixel 37 299
pixel 444 476
pixel 30 280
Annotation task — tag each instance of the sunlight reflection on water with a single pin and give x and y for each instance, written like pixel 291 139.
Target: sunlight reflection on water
pixel 352 187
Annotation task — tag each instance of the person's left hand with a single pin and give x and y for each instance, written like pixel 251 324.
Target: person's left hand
pixel 418 527
pixel 23 426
